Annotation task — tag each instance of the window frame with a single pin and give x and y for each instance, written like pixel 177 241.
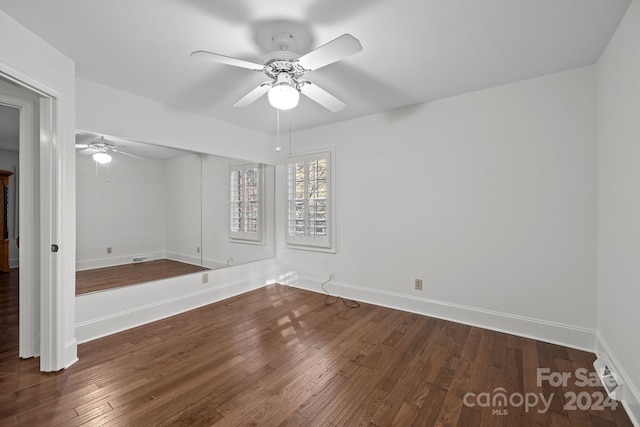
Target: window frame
pixel 309 242
pixel 247 237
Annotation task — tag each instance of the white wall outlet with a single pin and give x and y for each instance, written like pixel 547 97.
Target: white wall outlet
pixel 205 277
pixel 109 250
pixel 418 284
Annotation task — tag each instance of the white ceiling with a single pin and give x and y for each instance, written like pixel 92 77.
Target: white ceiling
pixel 414 51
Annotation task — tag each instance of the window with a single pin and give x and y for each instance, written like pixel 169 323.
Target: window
pixel 309 198
pixel 245 219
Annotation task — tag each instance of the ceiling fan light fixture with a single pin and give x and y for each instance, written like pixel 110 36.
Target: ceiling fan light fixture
pixel 283 95
pixel 101 157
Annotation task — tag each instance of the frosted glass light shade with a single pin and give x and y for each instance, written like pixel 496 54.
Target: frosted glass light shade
pixel 101 157
pixel 283 96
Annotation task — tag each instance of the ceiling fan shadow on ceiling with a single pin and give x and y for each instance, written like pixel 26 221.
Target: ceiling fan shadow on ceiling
pixel 100 149
pixel 286 71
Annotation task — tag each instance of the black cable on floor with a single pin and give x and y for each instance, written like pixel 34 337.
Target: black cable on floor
pixel 347 303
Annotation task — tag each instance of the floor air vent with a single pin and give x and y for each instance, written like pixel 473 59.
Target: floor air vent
pixel 608 379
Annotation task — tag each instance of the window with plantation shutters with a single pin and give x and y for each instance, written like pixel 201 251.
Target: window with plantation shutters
pixel 309 199
pixel 245 216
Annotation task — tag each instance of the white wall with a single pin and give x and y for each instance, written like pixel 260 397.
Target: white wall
pixel 32 61
pixel 9 162
pixel 215 215
pixel 489 197
pixel 149 121
pixel 184 209
pixel 619 204
pixel 120 205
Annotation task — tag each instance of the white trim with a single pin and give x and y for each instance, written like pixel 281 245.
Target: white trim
pixel 90 264
pixel 630 394
pixel 70 348
pixel 551 332
pixel 53 353
pixel 29 329
pixel 51 350
pixel 211 263
pixel 112 323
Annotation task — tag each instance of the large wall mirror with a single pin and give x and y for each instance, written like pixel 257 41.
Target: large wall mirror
pixel 146 212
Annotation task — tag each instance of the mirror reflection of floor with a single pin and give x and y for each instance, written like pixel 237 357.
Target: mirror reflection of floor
pixel 100 279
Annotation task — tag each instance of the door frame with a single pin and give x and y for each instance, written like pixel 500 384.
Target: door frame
pixel 41 302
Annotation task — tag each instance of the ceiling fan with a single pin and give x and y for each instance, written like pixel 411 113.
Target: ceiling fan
pixel 286 71
pixel 100 150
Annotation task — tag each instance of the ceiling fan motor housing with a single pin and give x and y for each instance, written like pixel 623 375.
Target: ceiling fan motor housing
pixel 282 66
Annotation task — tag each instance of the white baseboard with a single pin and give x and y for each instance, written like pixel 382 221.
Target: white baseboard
pixel 551 332
pixel 187 259
pixel 630 395
pixel 114 322
pixel 195 260
pixel 90 264
pixel 70 353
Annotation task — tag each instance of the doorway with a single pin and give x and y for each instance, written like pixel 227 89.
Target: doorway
pixel 36 202
pixel 18 100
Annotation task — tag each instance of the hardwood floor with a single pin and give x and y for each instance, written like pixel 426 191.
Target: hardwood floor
pixel 99 279
pixel 279 356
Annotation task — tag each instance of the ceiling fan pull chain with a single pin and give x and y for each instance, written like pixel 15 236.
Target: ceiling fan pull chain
pixel 290 113
pixel 278 148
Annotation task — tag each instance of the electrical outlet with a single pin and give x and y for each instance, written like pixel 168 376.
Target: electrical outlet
pixel 205 277
pixel 109 250
pixel 418 284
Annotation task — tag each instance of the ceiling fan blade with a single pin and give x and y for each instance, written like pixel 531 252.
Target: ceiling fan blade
pixel 322 97
pixel 87 151
pixel 221 59
pixel 331 52
pixel 253 96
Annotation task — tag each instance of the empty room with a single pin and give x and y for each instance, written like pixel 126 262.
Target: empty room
pixel 320 213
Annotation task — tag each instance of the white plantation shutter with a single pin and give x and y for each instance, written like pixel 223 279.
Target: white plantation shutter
pixel 245 213
pixel 309 200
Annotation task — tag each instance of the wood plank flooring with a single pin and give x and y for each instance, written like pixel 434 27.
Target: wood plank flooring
pixel 278 356
pixel 99 279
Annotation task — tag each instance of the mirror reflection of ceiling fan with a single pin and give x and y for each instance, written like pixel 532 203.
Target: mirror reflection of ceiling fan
pixel 286 71
pixel 100 149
